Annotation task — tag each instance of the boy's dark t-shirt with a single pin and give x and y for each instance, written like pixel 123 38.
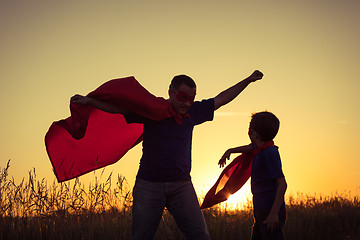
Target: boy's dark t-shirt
pixel 266 168
pixel 167 145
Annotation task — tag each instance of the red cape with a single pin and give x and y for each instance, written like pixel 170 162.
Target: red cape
pixel 232 178
pixel 90 138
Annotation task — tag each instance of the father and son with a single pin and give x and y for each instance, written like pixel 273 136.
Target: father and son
pixel 163 179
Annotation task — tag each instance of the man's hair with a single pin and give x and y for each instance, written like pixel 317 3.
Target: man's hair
pixel 179 80
pixel 265 124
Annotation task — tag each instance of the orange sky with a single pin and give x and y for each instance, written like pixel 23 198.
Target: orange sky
pixel 308 51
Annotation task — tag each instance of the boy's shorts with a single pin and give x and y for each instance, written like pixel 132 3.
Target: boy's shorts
pixel 259 229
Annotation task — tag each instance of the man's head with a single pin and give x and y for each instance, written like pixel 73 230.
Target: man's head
pixel 182 93
pixel 264 126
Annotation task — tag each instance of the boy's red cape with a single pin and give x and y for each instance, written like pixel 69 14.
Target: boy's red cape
pixel 90 138
pixel 232 178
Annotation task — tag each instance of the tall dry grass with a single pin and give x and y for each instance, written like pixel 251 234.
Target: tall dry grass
pixel 38 198
pixel 35 209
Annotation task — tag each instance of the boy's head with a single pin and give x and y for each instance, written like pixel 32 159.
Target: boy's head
pixel 182 93
pixel 265 125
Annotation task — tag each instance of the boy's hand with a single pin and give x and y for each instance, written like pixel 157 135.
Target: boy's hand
pixel 222 161
pixel 272 222
pixel 256 75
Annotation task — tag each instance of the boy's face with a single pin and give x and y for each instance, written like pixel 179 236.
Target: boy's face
pixel 182 98
pixel 252 134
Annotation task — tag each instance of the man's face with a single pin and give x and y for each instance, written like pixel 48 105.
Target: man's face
pixel 182 98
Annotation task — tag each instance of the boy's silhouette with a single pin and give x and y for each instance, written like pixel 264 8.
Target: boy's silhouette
pixel 268 183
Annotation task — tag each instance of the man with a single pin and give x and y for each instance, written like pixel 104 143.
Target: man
pixel 163 179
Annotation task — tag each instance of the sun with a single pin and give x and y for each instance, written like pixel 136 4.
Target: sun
pixel 240 200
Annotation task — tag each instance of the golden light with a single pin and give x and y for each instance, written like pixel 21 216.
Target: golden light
pixel 240 200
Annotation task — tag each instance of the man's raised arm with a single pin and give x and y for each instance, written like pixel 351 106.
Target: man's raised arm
pixel 229 94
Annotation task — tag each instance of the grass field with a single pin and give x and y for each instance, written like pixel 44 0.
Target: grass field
pixel 35 209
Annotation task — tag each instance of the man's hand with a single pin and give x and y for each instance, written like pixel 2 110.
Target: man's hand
pixel 272 222
pixel 79 99
pixel 256 75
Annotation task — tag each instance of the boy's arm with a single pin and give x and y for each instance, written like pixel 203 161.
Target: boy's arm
pixel 229 94
pixel 272 220
pixel 102 105
pixel 241 149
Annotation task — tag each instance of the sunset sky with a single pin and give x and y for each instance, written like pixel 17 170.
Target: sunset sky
pixel 308 51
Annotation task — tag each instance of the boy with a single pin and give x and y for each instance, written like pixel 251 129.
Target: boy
pixel 268 183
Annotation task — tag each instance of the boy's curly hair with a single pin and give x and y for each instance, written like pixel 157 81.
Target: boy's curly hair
pixel 266 124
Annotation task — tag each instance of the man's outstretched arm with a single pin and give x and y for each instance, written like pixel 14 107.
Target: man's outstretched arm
pixel 229 94
pixel 104 106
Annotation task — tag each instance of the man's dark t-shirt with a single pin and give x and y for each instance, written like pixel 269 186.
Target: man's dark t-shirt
pixel 167 145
